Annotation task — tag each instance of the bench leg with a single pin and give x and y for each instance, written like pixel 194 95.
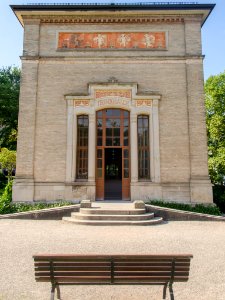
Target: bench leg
pixel 53 292
pixel 164 291
pixel 171 291
pixel 58 292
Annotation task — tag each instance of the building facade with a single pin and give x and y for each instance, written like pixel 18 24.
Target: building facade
pixel 112 103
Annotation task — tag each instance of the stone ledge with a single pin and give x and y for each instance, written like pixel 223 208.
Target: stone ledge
pixel 169 214
pixel 55 213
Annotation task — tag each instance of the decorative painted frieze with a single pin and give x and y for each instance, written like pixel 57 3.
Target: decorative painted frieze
pixel 112 93
pixel 81 102
pixel 112 40
pixel 144 102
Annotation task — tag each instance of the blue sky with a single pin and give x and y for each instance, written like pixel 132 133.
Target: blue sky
pixel 213 34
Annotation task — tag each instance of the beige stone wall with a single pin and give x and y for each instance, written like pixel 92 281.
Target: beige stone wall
pixel 42 142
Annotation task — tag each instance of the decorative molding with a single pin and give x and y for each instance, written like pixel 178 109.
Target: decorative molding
pixel 82 102
pixel 113 93
pixel 144 102
pixel 108 19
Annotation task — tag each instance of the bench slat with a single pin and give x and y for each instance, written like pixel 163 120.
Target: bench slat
pixel 127 268
pixel 127 279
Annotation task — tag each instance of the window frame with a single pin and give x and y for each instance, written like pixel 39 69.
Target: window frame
pixel 143 146
pixel 82 148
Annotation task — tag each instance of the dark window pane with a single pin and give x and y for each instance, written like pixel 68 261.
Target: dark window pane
pixel 143 147
pixel 126 173
pixel 108 142
pixel 99 153
pixel 99 173
pixel 126 153
pixel 116 132
pixel 85 141
pixel 99 163
pixel 125 141
pixel 82 147
pixel 125 131
pixel 109 132
pixel 126 163
pixel 99 132
pixel 116 142
pixel 99 142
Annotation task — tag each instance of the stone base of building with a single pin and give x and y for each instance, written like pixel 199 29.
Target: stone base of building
pixel 197 191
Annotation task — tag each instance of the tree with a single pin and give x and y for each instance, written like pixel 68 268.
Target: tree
pixel 215 114
pixel 8 161
pixel 9 106
pixel 215 118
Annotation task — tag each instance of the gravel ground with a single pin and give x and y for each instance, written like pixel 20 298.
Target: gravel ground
pixel 20 239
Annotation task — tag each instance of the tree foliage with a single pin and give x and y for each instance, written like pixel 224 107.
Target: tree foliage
pixel 8 161
pixel 9 106
pixel 215 112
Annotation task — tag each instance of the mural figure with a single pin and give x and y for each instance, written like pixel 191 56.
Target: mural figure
pixel 74 40
pixel 100 40
pixel 149 40
pixel 124 39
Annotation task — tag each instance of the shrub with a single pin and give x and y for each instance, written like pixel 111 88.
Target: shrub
pixel 199 208
pixel 219 196
pixel 21 207
pixel 6 199
pixel 3 181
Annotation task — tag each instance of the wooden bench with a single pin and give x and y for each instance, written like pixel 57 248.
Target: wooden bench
pixel 112 269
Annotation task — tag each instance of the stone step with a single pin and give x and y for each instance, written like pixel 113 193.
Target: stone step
pixel 112 217
pixel 153 221
pixel 100 211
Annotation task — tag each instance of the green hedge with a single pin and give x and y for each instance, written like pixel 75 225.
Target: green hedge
pixel 199 208
pixel 6 206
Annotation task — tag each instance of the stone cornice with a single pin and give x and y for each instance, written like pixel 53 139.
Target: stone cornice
pixel 85 19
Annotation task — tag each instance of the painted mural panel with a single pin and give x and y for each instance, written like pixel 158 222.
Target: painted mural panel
pixel 112 40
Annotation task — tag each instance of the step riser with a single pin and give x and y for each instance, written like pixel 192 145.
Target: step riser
pixel 78 216
pixel 94 211
pixel 105 223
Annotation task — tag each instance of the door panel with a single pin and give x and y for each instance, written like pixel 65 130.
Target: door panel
pixel 112 135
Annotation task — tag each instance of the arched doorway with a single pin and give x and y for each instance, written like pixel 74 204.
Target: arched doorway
pixel 113 154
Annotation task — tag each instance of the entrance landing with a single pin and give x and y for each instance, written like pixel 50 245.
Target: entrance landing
pixel 113 214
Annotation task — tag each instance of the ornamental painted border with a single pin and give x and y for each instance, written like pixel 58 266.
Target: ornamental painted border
pixel 117 40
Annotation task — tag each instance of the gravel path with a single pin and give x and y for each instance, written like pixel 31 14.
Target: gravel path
pixel 20 239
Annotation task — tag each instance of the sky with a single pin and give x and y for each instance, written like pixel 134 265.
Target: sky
pixel 213 34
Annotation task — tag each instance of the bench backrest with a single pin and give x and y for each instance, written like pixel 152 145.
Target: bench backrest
pixel 112 269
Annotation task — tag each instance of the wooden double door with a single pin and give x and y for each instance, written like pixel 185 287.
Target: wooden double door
pixel 113 154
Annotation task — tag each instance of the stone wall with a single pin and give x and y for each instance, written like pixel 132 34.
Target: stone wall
pixel 49 74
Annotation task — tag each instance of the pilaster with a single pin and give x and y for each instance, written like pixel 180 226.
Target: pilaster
pixel 133 148
pixel 91 148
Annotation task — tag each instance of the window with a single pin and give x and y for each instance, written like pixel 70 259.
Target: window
pixel 143 147
pixel 82 147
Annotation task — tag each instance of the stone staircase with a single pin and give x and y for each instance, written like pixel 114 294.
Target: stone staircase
pixel 113 214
